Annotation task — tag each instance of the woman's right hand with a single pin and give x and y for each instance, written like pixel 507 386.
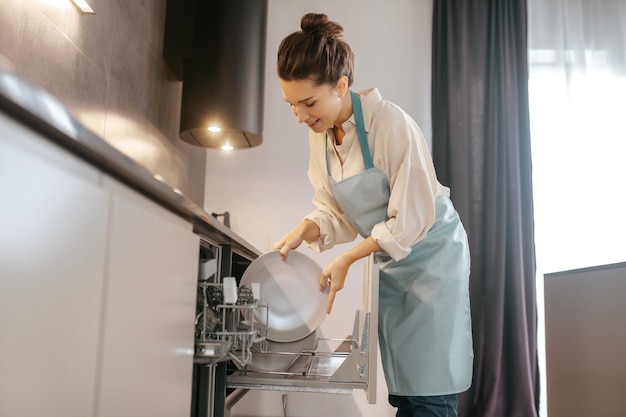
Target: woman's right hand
pixel 307 230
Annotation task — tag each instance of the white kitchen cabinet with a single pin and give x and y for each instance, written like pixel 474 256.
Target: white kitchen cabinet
pixel 97 289
pixel 148 333
pixel 53 227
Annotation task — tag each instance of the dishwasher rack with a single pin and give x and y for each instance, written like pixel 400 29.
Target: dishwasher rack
pixel 230 332
pixel 353 365
pixel 227 331
pixel 337 371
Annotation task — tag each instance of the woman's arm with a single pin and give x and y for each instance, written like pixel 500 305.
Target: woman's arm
pixel 334 275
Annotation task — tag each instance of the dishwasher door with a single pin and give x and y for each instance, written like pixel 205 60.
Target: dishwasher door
pixel 352 365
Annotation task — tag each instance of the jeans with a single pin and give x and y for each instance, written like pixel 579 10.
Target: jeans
pixel 435 406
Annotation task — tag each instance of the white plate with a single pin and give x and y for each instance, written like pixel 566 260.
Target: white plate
pixel 291 289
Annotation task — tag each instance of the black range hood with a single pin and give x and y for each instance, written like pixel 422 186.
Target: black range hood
pixel 217 49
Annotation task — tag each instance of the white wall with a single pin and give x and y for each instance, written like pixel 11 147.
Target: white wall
pixel 266 189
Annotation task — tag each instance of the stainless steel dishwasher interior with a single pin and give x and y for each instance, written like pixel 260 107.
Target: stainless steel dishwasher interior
pixel 227 332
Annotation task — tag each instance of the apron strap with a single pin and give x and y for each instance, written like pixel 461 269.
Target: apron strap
pixel 360 130
pixel 357 110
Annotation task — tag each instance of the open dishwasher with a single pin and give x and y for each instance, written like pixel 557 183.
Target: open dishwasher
pixel 255 333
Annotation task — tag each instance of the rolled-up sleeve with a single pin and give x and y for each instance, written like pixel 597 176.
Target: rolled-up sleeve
pixel 411 212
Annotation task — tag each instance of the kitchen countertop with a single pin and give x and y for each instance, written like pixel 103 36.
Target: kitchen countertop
pixel 42 112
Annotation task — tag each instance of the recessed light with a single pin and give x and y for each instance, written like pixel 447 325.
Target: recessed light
pixel 83 6
pixel 214 129
pixel 227 147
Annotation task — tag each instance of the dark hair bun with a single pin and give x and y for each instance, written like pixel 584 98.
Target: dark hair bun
pixel 315 24
pixel 316 52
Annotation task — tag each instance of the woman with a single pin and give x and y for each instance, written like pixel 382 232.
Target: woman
pixel 373 175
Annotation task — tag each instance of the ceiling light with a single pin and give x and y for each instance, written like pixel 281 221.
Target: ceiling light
pixel 217 49
pixel 227 147
pixel 83 6
pixel 214 129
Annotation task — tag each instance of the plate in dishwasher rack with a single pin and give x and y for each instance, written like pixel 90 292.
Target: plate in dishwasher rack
pixel 291 291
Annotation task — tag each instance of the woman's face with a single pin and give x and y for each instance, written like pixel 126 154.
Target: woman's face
pixel 319 106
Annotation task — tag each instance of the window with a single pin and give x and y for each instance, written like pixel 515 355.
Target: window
pixel 577 97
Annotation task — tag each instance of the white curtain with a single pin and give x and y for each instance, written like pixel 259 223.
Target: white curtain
pixel 577 99
pixel 577 95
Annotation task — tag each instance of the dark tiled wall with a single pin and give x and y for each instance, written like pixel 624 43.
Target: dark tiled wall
pixel 108 69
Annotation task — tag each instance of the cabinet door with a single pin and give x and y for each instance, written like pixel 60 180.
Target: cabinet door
pixel 52 252
pixel 150 308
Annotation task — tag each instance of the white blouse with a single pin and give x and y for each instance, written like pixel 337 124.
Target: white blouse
pixel 399 149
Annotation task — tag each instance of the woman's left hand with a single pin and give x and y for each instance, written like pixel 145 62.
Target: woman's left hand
pixel 334 276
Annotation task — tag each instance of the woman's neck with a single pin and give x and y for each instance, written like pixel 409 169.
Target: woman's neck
pixel 344 114
pixel 339 133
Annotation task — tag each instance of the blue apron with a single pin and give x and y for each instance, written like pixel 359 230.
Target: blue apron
pixel 424 325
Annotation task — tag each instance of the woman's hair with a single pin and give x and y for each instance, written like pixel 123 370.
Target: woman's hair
pixel 316 52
